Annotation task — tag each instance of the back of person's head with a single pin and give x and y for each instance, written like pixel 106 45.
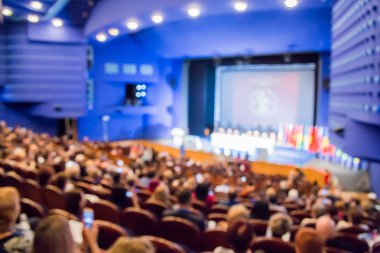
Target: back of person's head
pixel 318 210
pixel 9 207
pixel 132 245
pixel 53 235
pixel 184 197
pixel 44 176
pixel 201 191
pixel 240 236
pixel 75 202
pixel 232 194
pixel 161 193
pixel 237 212
pixel 260 210
pixel 293 194
pixel 356 215
pixel 325 227
pixel 308 241
pixel 61 180
pixel 280 224
pixel 271 195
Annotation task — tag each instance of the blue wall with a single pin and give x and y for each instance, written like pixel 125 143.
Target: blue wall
pixel 151 121
pixel 255 33
pixel 42 81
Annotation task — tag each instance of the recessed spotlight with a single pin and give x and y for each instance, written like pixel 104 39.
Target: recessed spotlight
pixel 157 18
pixel 57 22
pixel 6 11
pixel 132 25
pixel 101 37
pixel 291 3
pixel 33 18
pixel 194 12
pixel 37 5
pixel 113 32
pixel 240 6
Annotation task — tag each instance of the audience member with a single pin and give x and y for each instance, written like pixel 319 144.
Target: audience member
pixel 184 210
pixel 132 245
pixel 53 235
pixel 260 210
pixel 279 226
pixel 12 239
pixel 308 241
pixel 240 236
pixel 325 227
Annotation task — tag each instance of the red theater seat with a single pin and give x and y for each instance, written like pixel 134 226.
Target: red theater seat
pixel 108 233
pixel 219 209
pixel 11 179
pixel 141 222
pixel 143 195
pixel 164 246
pixel 52 197
pixel 180 231
pixel 260 226
pixel 217 217
pixel 273 245
pixel 348 242
pixel 31 208
pixel 155 207
pixel 32 190
pixel 63 213
pixel 200 206
pixel 354 230
pixel 107 211
pixel 212 239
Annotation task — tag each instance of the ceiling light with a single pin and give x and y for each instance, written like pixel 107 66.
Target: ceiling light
pixel 33 18
pixel 240 6
pixel 113 32
pixel 101 37
pixel 132 25
pixel 37 5
pixel 57 22
pixel 194 12
pixel 6 11
pixel 291 3
pixel 157 18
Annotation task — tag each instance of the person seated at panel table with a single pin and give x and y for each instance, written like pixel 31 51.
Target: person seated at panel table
pixel 184 209
pixel 12 239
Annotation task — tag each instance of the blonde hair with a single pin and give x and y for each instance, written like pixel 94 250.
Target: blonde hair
pixel 132 245
pixel 9 207
pixel 161 193
pixel 53 235
pixel 237 212
pixel 280 224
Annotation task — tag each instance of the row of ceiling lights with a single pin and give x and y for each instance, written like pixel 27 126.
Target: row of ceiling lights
pixel 32 18
pixel 193 12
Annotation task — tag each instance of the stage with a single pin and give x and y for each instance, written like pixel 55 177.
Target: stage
pixel 280 161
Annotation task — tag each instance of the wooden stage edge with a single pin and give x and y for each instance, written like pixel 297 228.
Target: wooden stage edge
pixel 260 167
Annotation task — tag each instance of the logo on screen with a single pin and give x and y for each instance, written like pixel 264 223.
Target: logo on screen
pixel 263 103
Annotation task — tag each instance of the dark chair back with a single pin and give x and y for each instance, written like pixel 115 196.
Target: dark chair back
pixel 212 239
pixel 219 209
pixel 180 231
pixel 107 211
pixel 52 197
pixel 11 179
pixel 217 217
pixel 32 190
pixel 354 230
pixel 155 207
pixel 260 226
pixel 63 213
pixel 31 209
pixel 139 221
pixel 272 245
pixel 348 242
pixel 108 233
pixel 164 246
